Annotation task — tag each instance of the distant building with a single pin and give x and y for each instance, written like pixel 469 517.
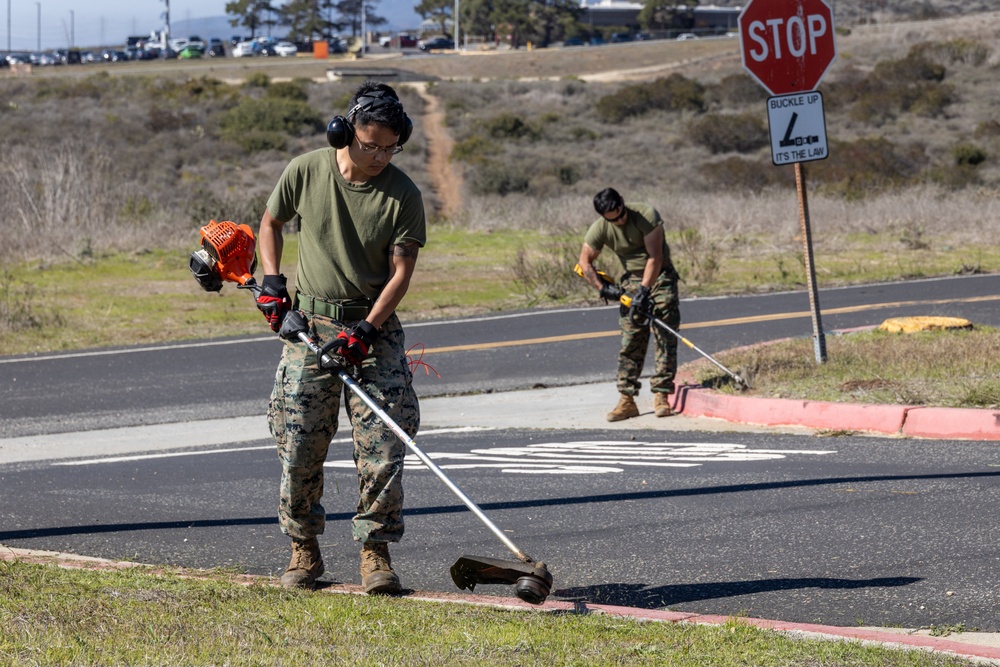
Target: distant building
pixel 708 19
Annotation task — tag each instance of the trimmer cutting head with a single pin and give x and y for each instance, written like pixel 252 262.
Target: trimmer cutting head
pixel 532 580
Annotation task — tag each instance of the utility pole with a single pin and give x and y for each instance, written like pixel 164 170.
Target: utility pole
pixel 39 26
pixel 456 25
pixel 8 26
pixel 72 29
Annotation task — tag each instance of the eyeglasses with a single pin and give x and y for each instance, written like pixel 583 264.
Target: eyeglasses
pixel 620 215
pixel 368 149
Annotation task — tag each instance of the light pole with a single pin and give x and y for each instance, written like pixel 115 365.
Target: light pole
pixel 8 26
pixel 72 29
pixel 456 25
pixel 39 26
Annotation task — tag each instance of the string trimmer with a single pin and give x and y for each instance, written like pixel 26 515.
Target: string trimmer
pixel 626 301
pixel 227 255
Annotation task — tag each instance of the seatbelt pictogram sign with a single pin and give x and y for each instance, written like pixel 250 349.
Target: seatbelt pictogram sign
pixel 798 128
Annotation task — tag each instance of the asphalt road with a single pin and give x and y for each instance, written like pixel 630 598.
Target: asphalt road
pixel 232 377
pixel 842 531
pixel 837 531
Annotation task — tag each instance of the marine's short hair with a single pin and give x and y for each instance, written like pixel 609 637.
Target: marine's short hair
pixel 607 200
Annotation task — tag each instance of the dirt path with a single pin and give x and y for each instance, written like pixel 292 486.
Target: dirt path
pixel 445 179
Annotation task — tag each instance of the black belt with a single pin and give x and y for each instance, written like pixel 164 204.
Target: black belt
pixel 342 310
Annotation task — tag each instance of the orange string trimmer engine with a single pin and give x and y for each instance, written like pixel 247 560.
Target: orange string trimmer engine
pixel 226 255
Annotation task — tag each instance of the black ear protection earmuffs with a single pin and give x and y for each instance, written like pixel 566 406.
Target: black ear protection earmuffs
pixel 340 130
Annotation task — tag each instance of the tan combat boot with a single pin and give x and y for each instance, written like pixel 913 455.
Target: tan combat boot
pixel 626 409
pixel 661 405
pixel 377 576
pixel 306 565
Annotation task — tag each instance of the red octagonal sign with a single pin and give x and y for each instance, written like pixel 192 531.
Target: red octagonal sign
pixel 787 45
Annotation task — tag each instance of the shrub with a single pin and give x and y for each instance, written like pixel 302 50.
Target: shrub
pixel 261 124
pixel 675 93
pixel 736 90
pixel 499 179
pixel 962 50
pixel 736 174
pixel 727 133
pixel 968 155
pixel 473 149
pixel 868 165
pixel 257 80
pixel 289 90
pixel 510 126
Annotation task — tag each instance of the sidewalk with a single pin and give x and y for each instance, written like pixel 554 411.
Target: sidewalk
pixel 585 406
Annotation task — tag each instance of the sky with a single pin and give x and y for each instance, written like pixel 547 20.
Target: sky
pixel 108 22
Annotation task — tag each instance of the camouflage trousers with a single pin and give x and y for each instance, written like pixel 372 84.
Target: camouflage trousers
pixel 303 416
pixel 635 339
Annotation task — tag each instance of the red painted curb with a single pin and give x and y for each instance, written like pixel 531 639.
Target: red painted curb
pixel 957 423
pixel 700 402
pixel 910 421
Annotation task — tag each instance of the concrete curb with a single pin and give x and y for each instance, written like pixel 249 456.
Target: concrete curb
pixel 985 649
pixel 910 421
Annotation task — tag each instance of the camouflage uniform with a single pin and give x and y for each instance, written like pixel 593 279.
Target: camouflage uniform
pixel 303 413
pixel 635 339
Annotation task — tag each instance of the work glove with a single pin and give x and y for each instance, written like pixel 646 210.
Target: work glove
pixel 351 344
pixel 642 306
pixel 273 300
pixel 610 292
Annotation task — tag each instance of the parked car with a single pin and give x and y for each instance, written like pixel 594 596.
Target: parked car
pixel 191 52
pixel 573 41
pixel 235 39
pixel 18 59
pixel 216 48
pixel 643 36
pixel 87 57
pixel 685 36
pixel 67 56
pixel 285 49
pixel 619 37
pixel 435 43
pixel 265 50
pixel 113 56
pixel 401 40
pixel 596 41
pixel 244 49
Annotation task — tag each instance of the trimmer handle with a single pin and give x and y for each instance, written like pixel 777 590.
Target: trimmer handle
pixel 295 326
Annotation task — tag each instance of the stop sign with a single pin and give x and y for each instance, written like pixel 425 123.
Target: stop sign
pixel 787 45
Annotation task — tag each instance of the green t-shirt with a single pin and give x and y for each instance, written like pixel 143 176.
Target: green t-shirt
pixel 346 230
pixel 627 241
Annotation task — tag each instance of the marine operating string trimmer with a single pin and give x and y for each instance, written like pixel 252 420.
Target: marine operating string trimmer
pixel 626 301
pixel 227 254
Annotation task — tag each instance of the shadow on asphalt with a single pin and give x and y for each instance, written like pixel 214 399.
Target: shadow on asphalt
pixel 656 597
pixel 93 529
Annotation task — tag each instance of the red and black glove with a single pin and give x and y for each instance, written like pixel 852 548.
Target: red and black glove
pixel 273 300
pixel 352 344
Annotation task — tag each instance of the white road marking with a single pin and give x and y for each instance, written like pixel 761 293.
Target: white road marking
pixel 202 452
pixel 596 457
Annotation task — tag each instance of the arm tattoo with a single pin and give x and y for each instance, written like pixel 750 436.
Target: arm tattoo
pixel 404 250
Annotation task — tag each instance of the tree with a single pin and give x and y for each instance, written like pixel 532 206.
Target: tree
pixel 248 13
pixel 667 14
pixel 439 11
pixel 306 21
pixel 350 14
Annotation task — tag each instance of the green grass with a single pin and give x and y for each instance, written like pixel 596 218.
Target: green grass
pixel 138 616
pixel 147 298
pixel 951 368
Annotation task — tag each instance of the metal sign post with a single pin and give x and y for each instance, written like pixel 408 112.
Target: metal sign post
pixel 819 338
pixel 787 46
